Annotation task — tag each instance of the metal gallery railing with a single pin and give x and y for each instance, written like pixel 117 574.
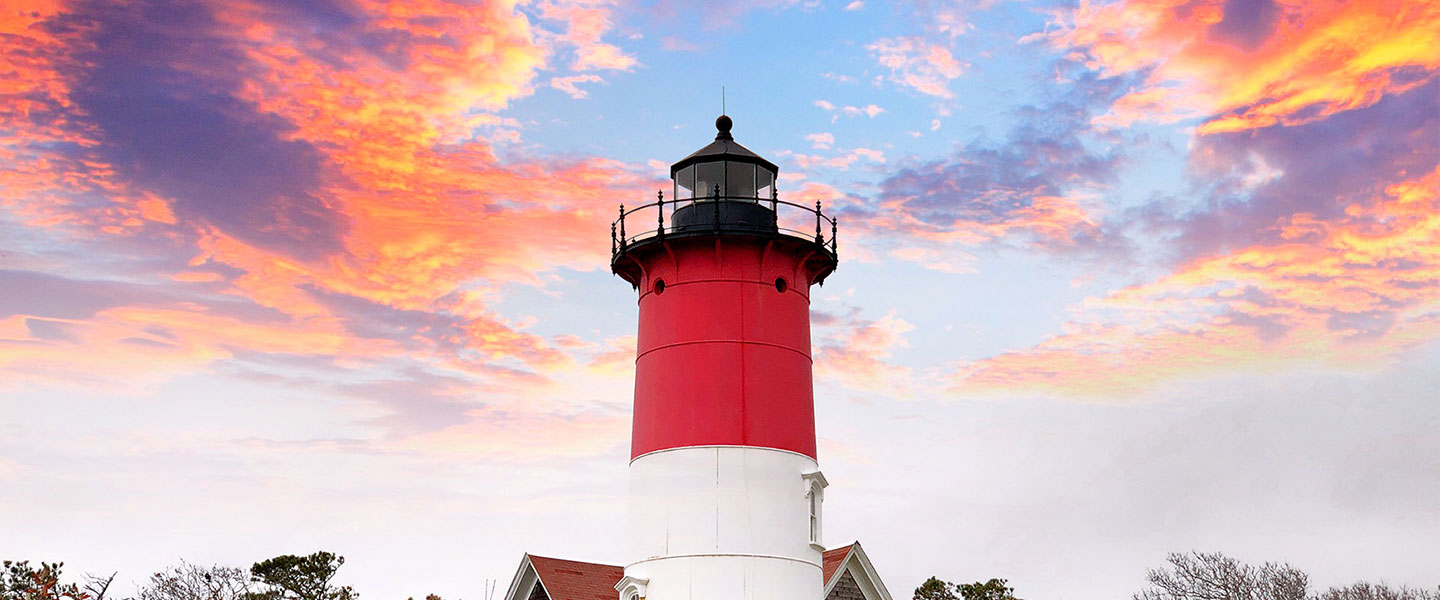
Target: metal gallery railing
pixel 635 225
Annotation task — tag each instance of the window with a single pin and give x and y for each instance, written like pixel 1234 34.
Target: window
pixel 814 504
pixel 813 499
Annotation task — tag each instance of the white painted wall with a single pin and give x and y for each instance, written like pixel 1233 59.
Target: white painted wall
pixel 723 523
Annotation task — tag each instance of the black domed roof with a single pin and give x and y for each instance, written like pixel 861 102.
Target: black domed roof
pixel 723 148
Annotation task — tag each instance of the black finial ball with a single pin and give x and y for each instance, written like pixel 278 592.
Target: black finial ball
pixel 723 124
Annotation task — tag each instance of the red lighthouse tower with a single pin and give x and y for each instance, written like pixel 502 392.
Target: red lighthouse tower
pixel 726 489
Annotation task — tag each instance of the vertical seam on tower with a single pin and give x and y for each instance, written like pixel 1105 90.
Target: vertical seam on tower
pixel 744 398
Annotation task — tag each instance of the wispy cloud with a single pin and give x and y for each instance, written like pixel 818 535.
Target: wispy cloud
pixel 570 86
pixel 1271 275
pixel 836 111
pixel 923 66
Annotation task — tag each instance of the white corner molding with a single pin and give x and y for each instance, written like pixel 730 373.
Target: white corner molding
pixel 632 588
pixel 524 582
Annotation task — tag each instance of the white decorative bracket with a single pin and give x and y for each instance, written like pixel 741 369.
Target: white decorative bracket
pixel 812 479
pixel 632 588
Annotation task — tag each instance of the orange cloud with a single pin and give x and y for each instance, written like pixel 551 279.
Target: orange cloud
pixel 130 348
pixel 1347 292
pixel 401 107
pixel 1286 62
pixel 1041 220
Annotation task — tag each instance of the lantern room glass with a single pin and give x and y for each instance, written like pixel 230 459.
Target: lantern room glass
pixel 684 184
pixel 739 180
pixel 709 176
pixel 764 183
pixel 733 180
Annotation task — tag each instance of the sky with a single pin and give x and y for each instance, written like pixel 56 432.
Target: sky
pixel 1118 278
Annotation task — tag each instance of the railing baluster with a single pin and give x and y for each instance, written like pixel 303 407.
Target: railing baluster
pixel 819 237
pixel 775 205
pixel 620 240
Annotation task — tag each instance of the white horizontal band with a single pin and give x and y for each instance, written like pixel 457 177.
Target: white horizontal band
pixel 704 446
pixel 726 555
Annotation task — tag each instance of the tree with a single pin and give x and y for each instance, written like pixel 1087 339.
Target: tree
pixel 1200 576
pixel 20 581
pixel 291 577
pixel 935 589
pixel 193 582
pixel 1366 591
pixel 995 589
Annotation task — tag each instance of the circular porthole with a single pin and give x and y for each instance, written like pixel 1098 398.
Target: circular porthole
pixel 780 285
pixel 659 286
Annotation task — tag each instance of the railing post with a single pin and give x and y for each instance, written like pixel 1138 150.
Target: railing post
pixel 622 226
pixel 612 241
pixel 775 205
pixel 660 210
pixel 715 195
pixel 819 237
pixel 834 231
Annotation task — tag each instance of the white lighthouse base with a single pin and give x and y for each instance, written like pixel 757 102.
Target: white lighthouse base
pixel 724 523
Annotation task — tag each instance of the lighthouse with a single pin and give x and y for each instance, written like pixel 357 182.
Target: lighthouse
pixel 726 495
pixel 726 492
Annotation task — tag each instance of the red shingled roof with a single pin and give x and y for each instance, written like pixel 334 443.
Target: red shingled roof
pixel 832 561
pixel 575 580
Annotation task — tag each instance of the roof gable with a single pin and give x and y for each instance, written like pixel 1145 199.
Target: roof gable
pixel 565 579
pixel 852 561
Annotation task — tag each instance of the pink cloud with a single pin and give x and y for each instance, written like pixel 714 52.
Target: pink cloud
pixel 569 85
pixel 920 65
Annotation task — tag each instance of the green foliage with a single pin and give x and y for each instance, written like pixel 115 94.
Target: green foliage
pixel 291 577
pixel 19 581
pixel 995 589
pixel 935 589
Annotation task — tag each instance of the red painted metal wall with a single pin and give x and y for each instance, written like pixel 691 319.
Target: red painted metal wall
pixel 724 356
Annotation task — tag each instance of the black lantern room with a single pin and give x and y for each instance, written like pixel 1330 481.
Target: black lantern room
pixel 724 171
pixel 724 168
pixel 721 190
